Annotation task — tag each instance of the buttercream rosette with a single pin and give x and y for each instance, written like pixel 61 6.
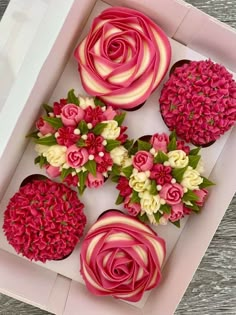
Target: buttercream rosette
pixel 199 101
pixel 121 257
pixel 78 140
pixel 44 221
pixel 123 58
pixel 164 182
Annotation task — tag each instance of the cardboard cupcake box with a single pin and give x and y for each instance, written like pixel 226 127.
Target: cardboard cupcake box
pixel 48 71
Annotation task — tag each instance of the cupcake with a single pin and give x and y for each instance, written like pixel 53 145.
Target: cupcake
pixel 121 257
pixel 44 221
pixel 164 182
pixel 199 102
pixel 123 58
pixel 76 138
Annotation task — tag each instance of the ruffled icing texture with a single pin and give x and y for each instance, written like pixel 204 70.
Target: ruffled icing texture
pixel 123 58
pixel 121 257
pixel 44 220
pixel 199 101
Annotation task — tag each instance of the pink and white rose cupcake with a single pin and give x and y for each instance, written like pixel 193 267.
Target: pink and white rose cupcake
pixel 123 58
pixel 121 257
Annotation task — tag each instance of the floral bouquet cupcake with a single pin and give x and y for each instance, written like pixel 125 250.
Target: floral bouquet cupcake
pixel 164 182
pixel 75 139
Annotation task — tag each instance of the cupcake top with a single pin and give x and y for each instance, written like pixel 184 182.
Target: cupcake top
pixel 123 58
pixel 121 257
pixel 44 220
pixel 164 182
pixel 76 138
pixel 199 101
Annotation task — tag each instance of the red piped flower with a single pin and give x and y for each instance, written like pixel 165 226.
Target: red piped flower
pixel 66 136
pixel 161 173
pixel 123 187
pixel 94 143
pixel 71 180
pixel 123 137
pixel 103 162
pixel 57 106
pixel 93 115
pixel 199 101
pixel 44 220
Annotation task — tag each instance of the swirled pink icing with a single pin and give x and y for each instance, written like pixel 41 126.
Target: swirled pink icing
pixel 121 257
pixel 123 58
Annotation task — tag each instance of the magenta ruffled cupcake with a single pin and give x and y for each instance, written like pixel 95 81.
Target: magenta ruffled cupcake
pixel 123 58
pixel 199 102
pixel 121 257
pixel 44 221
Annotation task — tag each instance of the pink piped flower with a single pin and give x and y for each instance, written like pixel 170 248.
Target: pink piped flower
pixel 143 161
pixel 172 193
pixel 94 181
pixel 71 115
pixel 160 142
pixel 44 127
pixel 133 208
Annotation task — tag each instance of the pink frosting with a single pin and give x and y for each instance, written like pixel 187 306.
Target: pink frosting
pixel 201 193
pixel 44 127
pixel 121 257
pixel 123 58
pixel 94 181
pixel 143 161
pixel 71 115
pixel 76 156
pixel 132 208
pixel 177 212
pixel 160 141
pixel 172 193
pixel 53 171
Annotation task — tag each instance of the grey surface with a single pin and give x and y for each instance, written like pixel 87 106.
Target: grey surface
pixel 213 288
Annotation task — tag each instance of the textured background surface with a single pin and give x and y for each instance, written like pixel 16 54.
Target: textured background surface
pixel 213 288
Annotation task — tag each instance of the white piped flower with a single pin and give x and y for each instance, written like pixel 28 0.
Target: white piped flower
pixel 78 169
pixel 191 179
pixel 178 159
pixel 85 102
pixel 166 163
pixel 73 173
pixel 163 221
pixel 111 131
pixel 56 155
pixel 139 182
pixel 66 166
pixel 150 203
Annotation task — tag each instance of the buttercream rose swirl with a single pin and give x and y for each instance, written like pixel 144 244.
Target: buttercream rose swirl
pixel 123 58
pixel 121 257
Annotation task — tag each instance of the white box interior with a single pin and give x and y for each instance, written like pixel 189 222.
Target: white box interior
pixel 181 243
